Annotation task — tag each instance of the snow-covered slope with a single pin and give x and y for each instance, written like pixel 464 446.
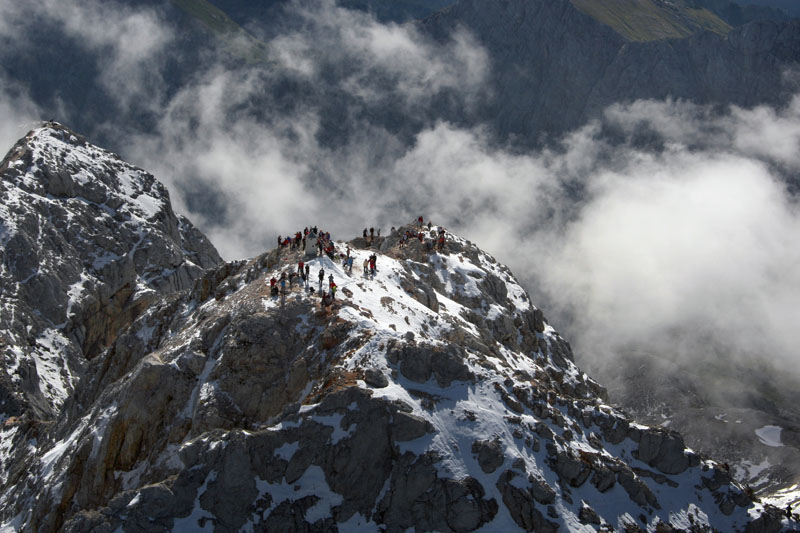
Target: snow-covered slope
pixel 87 242
pixel 431 396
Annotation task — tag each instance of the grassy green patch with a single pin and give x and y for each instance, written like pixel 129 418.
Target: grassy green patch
pixel 212 17
pixel 233 37
pixel 649 20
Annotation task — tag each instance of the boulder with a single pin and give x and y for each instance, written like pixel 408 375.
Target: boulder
pixel 490 454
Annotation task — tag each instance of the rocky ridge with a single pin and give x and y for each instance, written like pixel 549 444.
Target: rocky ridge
pixel 87 242
pixel 431 396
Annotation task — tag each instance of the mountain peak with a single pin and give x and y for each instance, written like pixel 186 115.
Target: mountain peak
pixel 87 241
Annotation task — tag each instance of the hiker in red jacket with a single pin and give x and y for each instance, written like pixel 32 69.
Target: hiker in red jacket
pixel 273 286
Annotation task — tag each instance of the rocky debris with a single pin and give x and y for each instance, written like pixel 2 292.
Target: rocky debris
pixel 418 498
pixel 603 478
pixel 587 515
pixel 406 426
pixel 637 490
pixel 664 450
pixel 770 521
pixel 570 469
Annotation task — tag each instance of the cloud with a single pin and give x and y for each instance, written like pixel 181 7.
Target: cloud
pixel 251 159
pixel 19 115
pixel 763 132
pixel 376 61
pixel 684 251
pixel 697 243
pixel 129 40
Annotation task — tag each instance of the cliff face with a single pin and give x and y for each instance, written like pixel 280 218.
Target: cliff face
pixel 555 67
pixel 431 394
pixel 87 243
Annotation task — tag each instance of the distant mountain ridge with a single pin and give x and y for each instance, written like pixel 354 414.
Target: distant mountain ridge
pixel 650 20
pixel 789 6
pixel 555 67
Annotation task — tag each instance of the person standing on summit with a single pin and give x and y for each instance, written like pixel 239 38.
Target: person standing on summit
pixel 321 278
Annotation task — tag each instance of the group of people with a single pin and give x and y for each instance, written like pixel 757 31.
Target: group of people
pixel 325 246
pixel 371 236
pixel 438 243
pixel 303 278
pixel 298 241
pixel 300 276
pixel 370 265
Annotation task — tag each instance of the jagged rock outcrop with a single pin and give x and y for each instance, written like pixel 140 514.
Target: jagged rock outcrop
pixel 87 243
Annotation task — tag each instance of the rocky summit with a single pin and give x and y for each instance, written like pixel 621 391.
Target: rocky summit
pixel 428 395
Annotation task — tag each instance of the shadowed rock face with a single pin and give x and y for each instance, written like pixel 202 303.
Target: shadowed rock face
pixel 554 67
pixel 88 243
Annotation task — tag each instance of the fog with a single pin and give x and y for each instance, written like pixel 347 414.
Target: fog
pixel 669 244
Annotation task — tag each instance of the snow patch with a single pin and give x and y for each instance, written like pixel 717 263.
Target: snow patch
pixel 286 451
pixel 770 436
